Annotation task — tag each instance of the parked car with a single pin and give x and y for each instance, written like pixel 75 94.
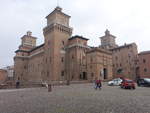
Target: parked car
pixel 115 82
pixel 127 83
pixel 143 82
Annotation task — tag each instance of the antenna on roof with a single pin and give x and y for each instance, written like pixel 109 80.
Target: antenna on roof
pixel 57 3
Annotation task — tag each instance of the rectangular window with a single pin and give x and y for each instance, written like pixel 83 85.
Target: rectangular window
pixel 145 70
pixel 91 59
pixel 62 73
pixel 120 65
pixel 47 73
pixel 144 60
pixel 72 57
pixel 91 67
pixel 63 43
pixel 62 59
pixel 25 67
pixel 116 58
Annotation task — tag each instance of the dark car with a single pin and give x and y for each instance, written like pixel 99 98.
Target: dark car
pixel 127 83
pixel 143 82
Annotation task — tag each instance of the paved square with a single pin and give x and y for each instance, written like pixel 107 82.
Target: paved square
pixel 76 98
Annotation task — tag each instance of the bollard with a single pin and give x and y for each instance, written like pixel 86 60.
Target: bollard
pixel 49 87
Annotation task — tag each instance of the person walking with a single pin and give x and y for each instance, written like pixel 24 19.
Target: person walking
pixel 98 84
pixel 94 82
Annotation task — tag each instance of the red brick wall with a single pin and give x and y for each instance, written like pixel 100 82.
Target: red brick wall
pixel 3 75
pixel 144 65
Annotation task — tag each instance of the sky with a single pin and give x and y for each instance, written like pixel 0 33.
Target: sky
pixel 128 20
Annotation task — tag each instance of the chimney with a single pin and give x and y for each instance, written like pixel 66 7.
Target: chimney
pixel 29 33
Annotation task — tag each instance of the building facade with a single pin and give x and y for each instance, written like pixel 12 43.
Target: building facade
pixel 3 75
pixel 143 69
pixel 62 57
pixel 10 72
pixel 124 61
pixel 123 57
pixel 99 62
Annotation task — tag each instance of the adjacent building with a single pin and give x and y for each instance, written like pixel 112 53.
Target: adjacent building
pixel 123 57
pixel 143 69
pixel 10 72
pixel 3 75
pixel 124 61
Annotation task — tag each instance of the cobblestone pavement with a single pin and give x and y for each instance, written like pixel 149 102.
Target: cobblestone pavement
pixel 77 98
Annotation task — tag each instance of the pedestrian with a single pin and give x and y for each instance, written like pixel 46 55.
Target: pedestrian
pixel 98 84
pixel 18 83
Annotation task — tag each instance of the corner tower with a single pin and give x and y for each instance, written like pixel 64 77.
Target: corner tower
pixel 108 41
pixel 28 42
pixel 56 34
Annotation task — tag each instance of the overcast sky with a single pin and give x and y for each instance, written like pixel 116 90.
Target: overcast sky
pixel 128 20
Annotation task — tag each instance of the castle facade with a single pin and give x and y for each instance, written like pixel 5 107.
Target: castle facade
pixel 63 57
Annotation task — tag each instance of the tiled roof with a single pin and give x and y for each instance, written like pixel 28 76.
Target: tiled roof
pixel 30 50
pixel 144 52
pixel 99 50
pixel 78 37
pixel 123 46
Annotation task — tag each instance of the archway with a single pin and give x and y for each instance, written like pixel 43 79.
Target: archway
pixel 105 73
pixel 84 76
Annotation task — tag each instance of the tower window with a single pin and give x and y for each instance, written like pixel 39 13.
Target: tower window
pixel 144 60
pixel 145 70
pixel 91 59
pixel 72 76
pixel 25 67
pixel 47 73
pixel 62 73
pixel 50 59
pixel 116 58
pixel 117 65
pixel 91 67
pixel 72 57
pixel 120 65
pixel 63 42
pixel 62 59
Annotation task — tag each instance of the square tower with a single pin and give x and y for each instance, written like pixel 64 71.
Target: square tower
pixel 56 33
pixel 28 40
pixel 108 41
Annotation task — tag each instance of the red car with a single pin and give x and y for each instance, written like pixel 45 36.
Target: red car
pixel 127 83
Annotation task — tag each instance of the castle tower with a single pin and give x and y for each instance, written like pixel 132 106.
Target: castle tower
pixel 27 41
pixel 108 41
pixel 56 33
